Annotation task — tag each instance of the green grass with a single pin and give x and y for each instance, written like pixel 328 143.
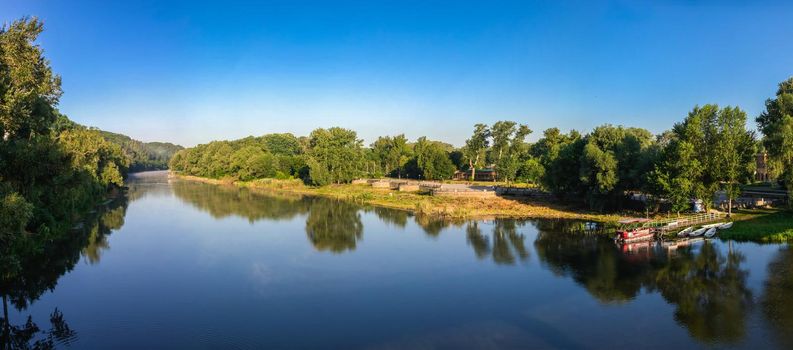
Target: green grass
pixel 761 225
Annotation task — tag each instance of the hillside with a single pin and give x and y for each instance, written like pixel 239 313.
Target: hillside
pixel 143 155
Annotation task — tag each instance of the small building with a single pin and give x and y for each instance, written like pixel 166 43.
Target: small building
pixel 761 172
pixel 486 174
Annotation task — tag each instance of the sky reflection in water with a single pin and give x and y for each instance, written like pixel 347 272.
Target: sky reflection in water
pixel 184 264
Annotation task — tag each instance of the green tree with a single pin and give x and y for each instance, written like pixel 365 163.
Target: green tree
pixel 393 153
pixel 510 156
pixel 776 124
pixel 734 161
pixel 432 160
pixel 337 155
pixel 29 89
pixel 475 148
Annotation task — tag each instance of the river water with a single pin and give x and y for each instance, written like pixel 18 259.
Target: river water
pixel 190 265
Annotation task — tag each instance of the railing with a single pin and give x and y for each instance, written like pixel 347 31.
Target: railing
pixel 679 223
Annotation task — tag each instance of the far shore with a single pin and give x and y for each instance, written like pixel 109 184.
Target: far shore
pixel 450 207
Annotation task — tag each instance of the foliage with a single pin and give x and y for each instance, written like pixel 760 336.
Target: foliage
pixel 710 149
pixel 57 167
pixel 268 156
pixel 600 167
pixel 476 148
pixel 392 153
pixel 143 156
pixel 337 155
pixel 432 160
pixel 734 162
pixel 776 124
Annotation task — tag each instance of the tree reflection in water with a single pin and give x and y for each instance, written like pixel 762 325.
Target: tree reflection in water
pixel 34 267
pixel 707 287
pixel 777 299
pixel 505 245
pixel 333 225
pixel 224 201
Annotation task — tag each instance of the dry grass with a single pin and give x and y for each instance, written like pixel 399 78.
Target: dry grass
pixel 452 207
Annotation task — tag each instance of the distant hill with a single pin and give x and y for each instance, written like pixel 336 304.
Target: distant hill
pixel 143 156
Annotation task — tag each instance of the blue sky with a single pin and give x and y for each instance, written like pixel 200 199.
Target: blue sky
pixel 194 71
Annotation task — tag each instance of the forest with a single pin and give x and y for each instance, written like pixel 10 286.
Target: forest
pixel 143 156
pixel 52 170
pixel 711 149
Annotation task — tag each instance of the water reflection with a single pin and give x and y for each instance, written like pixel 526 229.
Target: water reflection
pixel 225 201
pixel 706 286
pixel 777 299
pixel 505 246
pixel 34 266
pixel 333 225
pixel 29 335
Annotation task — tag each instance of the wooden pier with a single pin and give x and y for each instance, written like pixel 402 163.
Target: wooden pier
pixel 676 224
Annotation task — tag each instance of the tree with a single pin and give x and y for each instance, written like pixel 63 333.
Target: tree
pixel 336 154
pixel 29 89
pixel 676 175
pixel 776 124
pixel 502 133
pixel 392 152
pixel 735 152
pixel 531 171
pixel 511 154
pixel 476 147
pixel 432 160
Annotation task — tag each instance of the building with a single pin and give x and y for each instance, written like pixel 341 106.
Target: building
pixel 762 171
pixel 486 174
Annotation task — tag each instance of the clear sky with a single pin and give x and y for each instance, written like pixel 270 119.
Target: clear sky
pixel 194 71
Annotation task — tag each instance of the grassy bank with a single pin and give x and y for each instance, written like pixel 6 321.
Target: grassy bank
pixel 761 225
pixel 421 203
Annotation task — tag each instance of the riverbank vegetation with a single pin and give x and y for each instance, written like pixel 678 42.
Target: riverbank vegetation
pixel 52 170
pixel 761 225
pixel 143 156
pixel 709 151
pixel 447 207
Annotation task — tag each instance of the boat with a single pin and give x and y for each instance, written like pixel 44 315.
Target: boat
pixel 717 224
pixel 634 230
pixel 685 232
pixel 698 232
pixel 725 226
pixel 711 232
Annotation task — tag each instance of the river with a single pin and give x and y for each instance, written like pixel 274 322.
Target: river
pixel 182 264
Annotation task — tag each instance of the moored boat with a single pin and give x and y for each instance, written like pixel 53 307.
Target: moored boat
pixel 717 224
pixel 634 230
pixel 710 232
pixel 698 232
pixel 685 232
pixel 725 226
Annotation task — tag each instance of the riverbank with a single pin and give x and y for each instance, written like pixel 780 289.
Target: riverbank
pixel 761 225
pixel 451 207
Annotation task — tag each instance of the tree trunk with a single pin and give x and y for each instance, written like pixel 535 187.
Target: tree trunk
pixel 473 170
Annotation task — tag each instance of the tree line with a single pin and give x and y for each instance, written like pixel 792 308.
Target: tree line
pixel 143 156
pixel 710 150
pixel 51 168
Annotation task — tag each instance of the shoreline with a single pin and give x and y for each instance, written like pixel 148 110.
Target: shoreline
pixel 441 206
pixel 754 225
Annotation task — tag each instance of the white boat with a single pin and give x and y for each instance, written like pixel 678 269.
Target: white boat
pixel 698 232
pixel 725 226
pixel 717 224
pixel 685 232
pixel 711 232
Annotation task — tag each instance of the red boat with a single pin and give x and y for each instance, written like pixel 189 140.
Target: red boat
pixel 634 230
